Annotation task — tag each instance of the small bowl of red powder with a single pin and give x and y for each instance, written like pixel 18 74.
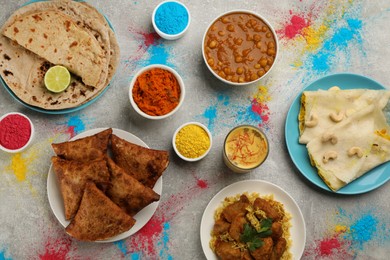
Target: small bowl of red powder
pixel 156 91
pixel 16 132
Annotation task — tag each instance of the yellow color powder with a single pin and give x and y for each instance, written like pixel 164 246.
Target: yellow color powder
pixel 340 229
pixel 19 167
pixel 314 37
pixel 262 95
pixel 192 141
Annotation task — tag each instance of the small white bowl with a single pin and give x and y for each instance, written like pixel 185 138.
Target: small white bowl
pixel 269 26
pixel 166 35
pixel 179 80
pixel 182 156
pixel 31 135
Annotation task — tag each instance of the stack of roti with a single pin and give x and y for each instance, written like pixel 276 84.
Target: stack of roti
pixel 101 199
pixel 60 32
pixel 346 132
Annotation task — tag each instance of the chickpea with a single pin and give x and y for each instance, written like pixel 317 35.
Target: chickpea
pixel 257 66
pixel 250 58
pixel 257 29
pixel 213 44
pixel 221 33
pixel 230 28
pixel 271 52
pixel 249 37
pixel 253 22
pixel 220 63
pixel 239 70
pixel 234 79
pixel 263 62
pixel 246 52
pixel 222 74
pixel 248 78
pixel 213 28
pixel 271 45
pixel 210 62
pixel 254 77
pixel 239 41
pixel 258 45
pixel 268 35
pixel 227 70
pixel 267 68
pixel 229 77
pixel 270 60
pixel 238 59
pixel 225 20
pixel 257 37
pixel 241 79
pixel 260 73
pixel 248 24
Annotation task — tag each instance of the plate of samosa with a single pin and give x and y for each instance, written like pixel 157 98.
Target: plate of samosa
pixel 105 184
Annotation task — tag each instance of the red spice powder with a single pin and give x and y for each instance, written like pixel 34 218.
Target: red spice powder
pixel 156 92
pixel 15 131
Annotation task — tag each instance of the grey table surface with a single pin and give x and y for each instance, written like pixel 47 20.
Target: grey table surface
pixel 317 38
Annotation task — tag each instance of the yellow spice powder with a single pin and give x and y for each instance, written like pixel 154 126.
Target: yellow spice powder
pixel 192 141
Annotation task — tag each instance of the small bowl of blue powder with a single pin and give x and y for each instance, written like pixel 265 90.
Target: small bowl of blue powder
pixel 171 19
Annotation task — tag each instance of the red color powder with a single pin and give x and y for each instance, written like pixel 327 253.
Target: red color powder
pixel 15 131
pixel 57 249
pixel 295 26
pixel 328 246
pixel 202 184
pixel 261 109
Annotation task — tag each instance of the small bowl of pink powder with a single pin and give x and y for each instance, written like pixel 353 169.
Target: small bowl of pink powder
pixel 16 132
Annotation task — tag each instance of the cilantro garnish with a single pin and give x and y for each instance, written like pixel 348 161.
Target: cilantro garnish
pixel 252 237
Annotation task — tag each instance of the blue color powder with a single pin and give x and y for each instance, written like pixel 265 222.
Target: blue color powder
pixel 171 18
pixel 363 230
pixel 211 115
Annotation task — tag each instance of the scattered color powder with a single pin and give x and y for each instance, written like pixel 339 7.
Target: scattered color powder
pixel 121 244
pixel 75 125
pixel 362 230
pixel 164 242
pixel 211 115
pixel 3 257
pixel 19 167
pixel 57 249
pixel 295 26
pixel 159 54
pixel 328 246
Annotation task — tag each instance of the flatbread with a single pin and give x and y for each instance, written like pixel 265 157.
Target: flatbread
pixel 366 130
pixel 128 193
pixel 23 71
pixel 84 149
pixel 144 164
pixel 322 103
pixel 98 218
pixel 73 176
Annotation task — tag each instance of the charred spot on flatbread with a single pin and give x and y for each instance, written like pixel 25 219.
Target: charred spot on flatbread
pixel 144 164
pixel 84 149
pixel 73 176
pixel 98 218
pixel 128 193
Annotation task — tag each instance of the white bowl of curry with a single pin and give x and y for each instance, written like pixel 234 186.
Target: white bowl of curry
pixel 240 47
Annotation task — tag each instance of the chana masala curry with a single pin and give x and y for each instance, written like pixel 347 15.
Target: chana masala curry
pixel 240 47
pixel 250 226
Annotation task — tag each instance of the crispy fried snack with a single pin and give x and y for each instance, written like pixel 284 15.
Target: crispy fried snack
pixel 127 192
pixel 73 176
pixel 84 149
pixel 144 164
pixel 98 217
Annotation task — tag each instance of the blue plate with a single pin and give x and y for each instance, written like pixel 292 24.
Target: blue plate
pixel 298 152
pixel 57 111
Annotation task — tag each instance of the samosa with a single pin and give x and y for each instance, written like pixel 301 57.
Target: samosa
pixel 98 218
pixel 73 176
pixel 144 164
pixel 84 149
pixel 128 193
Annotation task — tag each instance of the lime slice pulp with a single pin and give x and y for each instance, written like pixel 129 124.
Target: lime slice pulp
pixel 57 79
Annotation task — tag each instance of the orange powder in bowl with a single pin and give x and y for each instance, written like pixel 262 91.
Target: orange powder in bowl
pixel 156 92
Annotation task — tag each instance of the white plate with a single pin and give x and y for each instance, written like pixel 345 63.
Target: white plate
pixel 297 231
pixel 57 204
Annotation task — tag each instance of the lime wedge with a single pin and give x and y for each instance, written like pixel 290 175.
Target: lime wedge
pixel 57 79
